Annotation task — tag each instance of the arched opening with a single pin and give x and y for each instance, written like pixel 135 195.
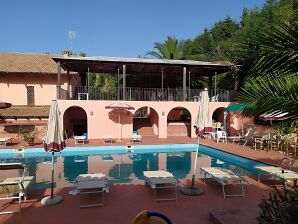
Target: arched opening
pixel 179 122
pixel 75 121
pixel 145 121
pixel 219 118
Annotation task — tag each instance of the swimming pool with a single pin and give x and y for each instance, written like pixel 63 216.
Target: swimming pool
pixel 121 166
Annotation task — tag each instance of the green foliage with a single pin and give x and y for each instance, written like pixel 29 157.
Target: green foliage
pixel 101 80
pixel 171 48
pixel 274 85
pixel 280 208
pixel 271 94
pixel 28 134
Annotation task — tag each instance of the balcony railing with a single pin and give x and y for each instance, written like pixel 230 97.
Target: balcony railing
pixel 143 94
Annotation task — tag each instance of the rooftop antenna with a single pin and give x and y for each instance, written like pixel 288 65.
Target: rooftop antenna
pixel 71 37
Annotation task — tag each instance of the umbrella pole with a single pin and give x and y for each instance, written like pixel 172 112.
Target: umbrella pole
pixel 52 184
pixel 192 190
pixel 195 165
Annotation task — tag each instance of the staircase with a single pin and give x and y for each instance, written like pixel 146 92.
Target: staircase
pixel 143 126
pixel 179 129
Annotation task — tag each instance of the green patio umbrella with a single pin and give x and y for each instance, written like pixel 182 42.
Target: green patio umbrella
pixel 236 107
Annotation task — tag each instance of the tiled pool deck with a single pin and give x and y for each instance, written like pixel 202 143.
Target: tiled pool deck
pixel 126 200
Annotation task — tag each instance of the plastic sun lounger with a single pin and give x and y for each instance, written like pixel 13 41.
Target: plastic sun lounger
pixel 135 138
pixel 3 141
pixel 224 177
pixel 80 139
pixel 14 187
pixel 278 172
pixel 91 184
pixel 161 180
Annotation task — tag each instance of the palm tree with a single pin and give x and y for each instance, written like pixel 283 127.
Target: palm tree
pixel 171 48
pixel 272 84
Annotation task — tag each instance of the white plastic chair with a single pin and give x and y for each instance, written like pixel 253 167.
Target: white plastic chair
pixel 221 135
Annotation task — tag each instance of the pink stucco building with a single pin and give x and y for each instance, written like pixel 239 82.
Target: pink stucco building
pixel 161 92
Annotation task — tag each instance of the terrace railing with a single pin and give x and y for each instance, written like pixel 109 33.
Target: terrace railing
pixel 144 94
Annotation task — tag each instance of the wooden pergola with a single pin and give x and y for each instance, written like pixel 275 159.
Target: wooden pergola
pixel 139 66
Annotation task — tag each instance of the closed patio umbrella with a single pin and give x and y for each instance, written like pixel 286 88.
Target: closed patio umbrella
pixel 54 142
pixel 201 123
pixel 120 107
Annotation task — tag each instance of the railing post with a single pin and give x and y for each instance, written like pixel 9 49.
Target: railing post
pixel 124 82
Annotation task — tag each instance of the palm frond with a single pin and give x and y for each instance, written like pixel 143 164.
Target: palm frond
pixel 270 94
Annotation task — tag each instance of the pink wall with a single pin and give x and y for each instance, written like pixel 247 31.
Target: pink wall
pixel 14 87
pixel 101 123
pixel 237 122
pixel 154 120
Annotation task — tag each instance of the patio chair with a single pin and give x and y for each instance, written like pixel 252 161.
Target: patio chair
pixel 14 187
pixel 135 138
pixel 224 177
pixel 161 180
pixel 4 141
pixel 221 135
pixel 245 138
pixel 283 174
pixel 263 142
pixel 95 183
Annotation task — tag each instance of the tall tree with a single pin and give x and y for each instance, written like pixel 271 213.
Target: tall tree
pixel 171 48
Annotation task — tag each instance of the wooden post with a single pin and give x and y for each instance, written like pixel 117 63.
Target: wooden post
pixel 184 84
pixel 69 93
pixel 188 85
pixel 124 81
pixel 118 87
pixel 215 84
pixel 58 80
pixel 162 95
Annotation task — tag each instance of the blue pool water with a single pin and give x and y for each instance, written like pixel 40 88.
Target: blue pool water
pixel 120 166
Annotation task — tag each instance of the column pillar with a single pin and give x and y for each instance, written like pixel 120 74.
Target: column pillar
pixel 58 81
pixel 124 82
pixel 184 85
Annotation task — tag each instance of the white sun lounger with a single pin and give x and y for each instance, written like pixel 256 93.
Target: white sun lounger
pixel 278 172
pixel 135 138
pixel 224 177
pixel 14 187
pixel 161 180
pixel 80 139
pixel 4 141
pixel 91 184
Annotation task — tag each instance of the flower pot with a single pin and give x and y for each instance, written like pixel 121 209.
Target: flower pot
pixel 30 141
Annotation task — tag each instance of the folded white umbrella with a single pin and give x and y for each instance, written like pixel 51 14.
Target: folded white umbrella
pixel 54 142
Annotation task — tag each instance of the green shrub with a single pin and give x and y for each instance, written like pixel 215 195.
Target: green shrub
pixel 280 208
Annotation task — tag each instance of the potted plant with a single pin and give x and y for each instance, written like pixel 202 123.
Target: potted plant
pixel 28 135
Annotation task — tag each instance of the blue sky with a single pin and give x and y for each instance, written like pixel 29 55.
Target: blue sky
pixel 108 27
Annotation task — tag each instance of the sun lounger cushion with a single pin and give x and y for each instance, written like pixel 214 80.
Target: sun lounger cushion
pixel 279 172
pixel 156 174
pixel 161 180
pixel 12 184
pixel 89 181
pixel 225 177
